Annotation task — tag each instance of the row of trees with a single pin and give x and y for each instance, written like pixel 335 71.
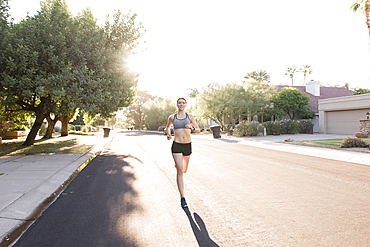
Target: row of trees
pixel 52 64
pixel 148 111
pixel 223 103
pixel 233 101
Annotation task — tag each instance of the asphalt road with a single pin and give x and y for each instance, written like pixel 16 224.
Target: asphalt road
pixel 238 195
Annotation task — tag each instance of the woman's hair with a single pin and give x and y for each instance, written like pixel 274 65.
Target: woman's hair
pixel 182 99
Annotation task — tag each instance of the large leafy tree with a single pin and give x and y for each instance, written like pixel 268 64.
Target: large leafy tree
pixel 291 102
pixel 56 63
pixel 363 5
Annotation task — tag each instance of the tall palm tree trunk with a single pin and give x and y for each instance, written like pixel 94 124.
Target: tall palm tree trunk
pixel 367 12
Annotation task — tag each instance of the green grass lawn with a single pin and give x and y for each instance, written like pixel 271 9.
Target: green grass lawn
pixel 67 144
pixel 333 142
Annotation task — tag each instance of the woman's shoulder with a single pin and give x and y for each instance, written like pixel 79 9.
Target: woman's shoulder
pixel 190 115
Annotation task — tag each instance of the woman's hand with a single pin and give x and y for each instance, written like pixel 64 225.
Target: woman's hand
pixel 189 126
pixel 169 137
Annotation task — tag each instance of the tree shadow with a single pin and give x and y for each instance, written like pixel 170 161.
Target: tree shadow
pixel 227 140
pixel 200 230
pixel 139 133
pixel 92 210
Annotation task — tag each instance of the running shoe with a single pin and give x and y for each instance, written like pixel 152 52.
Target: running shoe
pixel 183 203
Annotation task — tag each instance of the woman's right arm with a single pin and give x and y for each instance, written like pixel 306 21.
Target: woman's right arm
pixel 168 130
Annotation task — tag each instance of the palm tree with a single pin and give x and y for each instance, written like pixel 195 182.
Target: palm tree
pixel 193 94
pixel 291 72
pixel 259 75
pixel 306 69
pixel 365 6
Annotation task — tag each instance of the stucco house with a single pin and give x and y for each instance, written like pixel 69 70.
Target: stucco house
pixel 316 93
pixel 342 115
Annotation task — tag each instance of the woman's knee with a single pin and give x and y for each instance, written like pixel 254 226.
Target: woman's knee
pixel 179 169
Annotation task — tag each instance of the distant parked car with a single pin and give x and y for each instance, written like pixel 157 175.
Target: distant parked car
pixel 130 127
pixel 165 132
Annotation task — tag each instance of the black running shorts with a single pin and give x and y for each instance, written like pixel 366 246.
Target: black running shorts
pixel 184 148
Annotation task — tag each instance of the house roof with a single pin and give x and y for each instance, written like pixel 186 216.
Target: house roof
pixel 325 93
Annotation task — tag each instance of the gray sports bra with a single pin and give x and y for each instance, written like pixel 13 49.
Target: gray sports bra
pixel 180 123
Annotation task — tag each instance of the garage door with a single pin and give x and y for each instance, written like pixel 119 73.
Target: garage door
pixel 344 122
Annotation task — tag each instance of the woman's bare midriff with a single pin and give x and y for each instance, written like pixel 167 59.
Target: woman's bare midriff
pixel 182 136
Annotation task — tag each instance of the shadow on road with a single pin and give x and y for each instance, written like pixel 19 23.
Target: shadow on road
pixel 92 210
pixel 139 132
pixel 227 140
pixel 200 230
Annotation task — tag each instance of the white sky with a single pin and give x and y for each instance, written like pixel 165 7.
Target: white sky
pixel 192 43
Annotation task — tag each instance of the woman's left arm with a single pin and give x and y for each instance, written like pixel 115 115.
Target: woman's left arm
pixel 194 123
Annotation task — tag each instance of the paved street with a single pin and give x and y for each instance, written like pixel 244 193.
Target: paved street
pixel 238 195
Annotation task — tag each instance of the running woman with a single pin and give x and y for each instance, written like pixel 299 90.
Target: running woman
pixel 182 123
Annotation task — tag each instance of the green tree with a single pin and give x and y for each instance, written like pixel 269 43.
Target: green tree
pixel 157 112
pixel 213 103
pixel 56 63
pixel 259 75
pixel 260 94
pixel 292 102
pixel 291 72
pixel 193 92
pixel 135 112
pixel 363 5
pixel 305 70
pixel 361 91
pixel 234 101
pixel 79 119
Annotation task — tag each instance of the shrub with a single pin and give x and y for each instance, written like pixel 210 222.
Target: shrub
pixel 71 127
pixel 201 126
pixel 77 133
pixel 42 130
pixel 305 126
pixel 5 126
pixel 351 142
pixel 287 126
pixel 84 129
pixel 246 128
pixel 272 128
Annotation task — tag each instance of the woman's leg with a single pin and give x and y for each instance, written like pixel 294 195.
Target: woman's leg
pixel 178 158
pixel 185 162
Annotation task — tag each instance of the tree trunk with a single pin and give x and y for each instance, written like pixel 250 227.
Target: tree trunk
pixel 65 120
pixel 35 128
pixel 367 13
pixel 51 125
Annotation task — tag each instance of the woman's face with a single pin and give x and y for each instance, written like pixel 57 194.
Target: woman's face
pixel 181 104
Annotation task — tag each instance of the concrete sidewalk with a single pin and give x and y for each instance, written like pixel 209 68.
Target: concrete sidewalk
pixel 353 155
pixel 27 181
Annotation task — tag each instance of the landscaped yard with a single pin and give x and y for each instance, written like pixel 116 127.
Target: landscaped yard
pixel 333 142
pixel 68 144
